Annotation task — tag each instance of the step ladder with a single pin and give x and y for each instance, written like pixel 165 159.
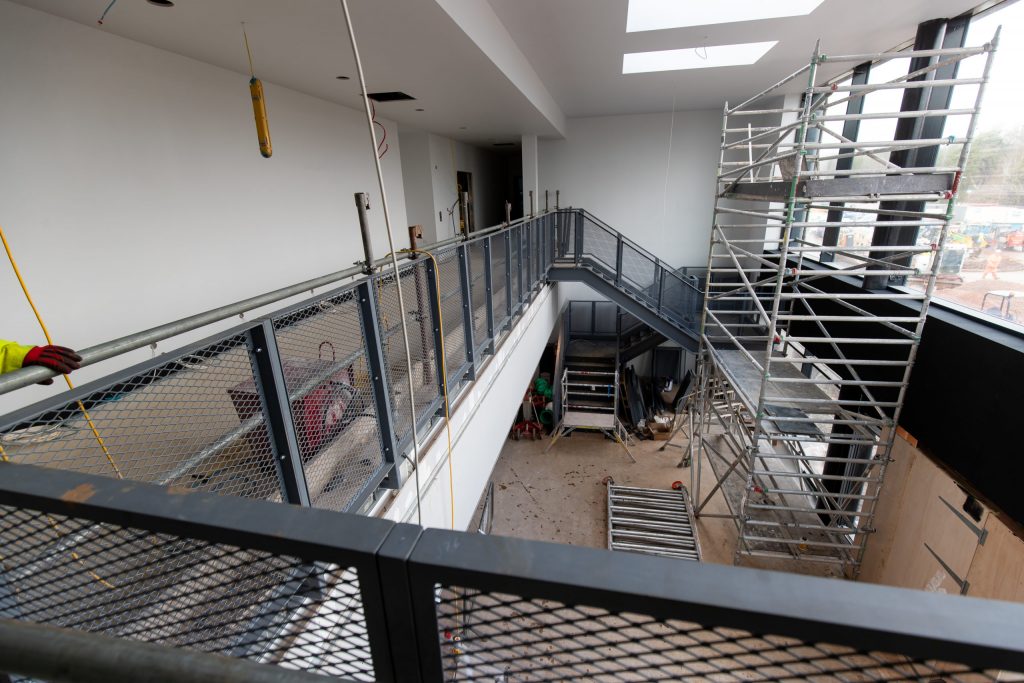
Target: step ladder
pixel 652 522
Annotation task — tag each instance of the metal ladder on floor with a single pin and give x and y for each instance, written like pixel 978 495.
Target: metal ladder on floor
pixel 652 522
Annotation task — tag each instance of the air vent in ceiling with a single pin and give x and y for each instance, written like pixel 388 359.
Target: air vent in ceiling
pixel 390 96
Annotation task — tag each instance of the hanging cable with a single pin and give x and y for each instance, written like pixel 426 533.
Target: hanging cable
pixel 668 167
pixel 382 146
pixel 444 377
pixel 104 15
pixel 391 247
pixel 49 340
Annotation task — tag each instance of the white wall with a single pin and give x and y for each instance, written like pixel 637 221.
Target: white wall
pixel 480 420
pixel 620 169
pixel 133 192
pixel 418 179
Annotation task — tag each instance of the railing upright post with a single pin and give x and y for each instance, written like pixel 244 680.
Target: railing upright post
pixel 270 385
pixel 618 260
pixel 466 282
pixel 528 280
pixel 661 286
pixel 508 275
pixel 519 265
pixel 379 380
pixel 488 289
pixel 435 325
pixel 578 237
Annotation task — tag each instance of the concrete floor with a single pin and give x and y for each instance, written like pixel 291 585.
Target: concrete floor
pixel 560 496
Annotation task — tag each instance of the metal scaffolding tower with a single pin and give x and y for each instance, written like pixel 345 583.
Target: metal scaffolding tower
pixel 804 365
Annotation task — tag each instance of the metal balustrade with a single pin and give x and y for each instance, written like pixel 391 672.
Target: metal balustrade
pixel 309 405
pixel 256 590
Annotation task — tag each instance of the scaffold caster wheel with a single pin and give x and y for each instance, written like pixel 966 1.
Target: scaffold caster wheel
pixel 677 486
pixel 608 481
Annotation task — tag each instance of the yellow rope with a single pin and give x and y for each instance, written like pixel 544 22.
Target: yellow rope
pixel 49 340
pixel 3 454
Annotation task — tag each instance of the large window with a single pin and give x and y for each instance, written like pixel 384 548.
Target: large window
pixel 983 265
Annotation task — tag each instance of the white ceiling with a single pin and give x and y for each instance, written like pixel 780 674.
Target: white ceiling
pixel 576 47
pixel 557 54
pixel 408 45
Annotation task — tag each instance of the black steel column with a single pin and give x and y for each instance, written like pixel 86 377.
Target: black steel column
pixel 851 129
pixel 277 411
pixel 930 35
pixel 379 380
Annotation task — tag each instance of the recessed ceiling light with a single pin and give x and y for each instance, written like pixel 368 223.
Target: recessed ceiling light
pixel 462 128
pixel 419 108
pixel 342 78
pixel 162 3
pixel 652 15
pixel 695 58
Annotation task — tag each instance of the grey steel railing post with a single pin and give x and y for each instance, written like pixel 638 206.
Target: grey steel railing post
pixel 399 631
pixel 528 282
pixel 488 288
pixel 465 282
pixel 379 380
pixel 519 266
pixel 435 324
pixel 578 237
pixel 507 236
pixel 618 260
pixel 269 375
pixel 362 206
pixel 661 286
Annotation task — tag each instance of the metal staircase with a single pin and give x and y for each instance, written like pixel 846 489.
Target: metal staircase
pixel 664 298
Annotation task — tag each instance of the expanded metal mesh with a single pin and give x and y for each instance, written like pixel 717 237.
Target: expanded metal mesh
pixel 478 285
pixel 196 421
pixel 323 354
pixel 450 282
pixel 599 244
pixel 641 273
pixel 499 272
pixel 181 592
pixel 496 636
pixel 417 294
pixel 681 300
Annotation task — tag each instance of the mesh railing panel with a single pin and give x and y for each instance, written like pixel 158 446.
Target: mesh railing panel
pixel 416 291
pixel 681 301
pixel 640 273
pixel 599 244
pixel 323 354
pixel 494 636
pixel 515 265
pixel 499 269
pixel 478 286
pixel 450 282
pixel 194 421
pixel 181 592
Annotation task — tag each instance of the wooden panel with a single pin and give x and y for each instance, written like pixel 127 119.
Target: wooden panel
pixel 998 568
pixel 912 514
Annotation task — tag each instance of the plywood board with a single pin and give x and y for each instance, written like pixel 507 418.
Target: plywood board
pixel 998 568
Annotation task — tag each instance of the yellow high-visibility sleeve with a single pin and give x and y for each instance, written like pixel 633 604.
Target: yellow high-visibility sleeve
pixel 12 355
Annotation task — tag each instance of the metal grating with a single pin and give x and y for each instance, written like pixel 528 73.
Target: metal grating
pixel 640 272
pixel 194 421
pixel 600 245
pixel 416 291
pixel 499 271
pixel 182 592
pixel 498 636
pixel 323 353
pixel 449 281
pixel 478 286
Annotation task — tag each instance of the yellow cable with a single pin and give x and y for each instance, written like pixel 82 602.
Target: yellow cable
pixel 252 73
pixel 49 340
pixel 95 432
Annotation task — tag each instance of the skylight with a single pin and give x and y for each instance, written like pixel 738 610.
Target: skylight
pixel 695 58
pixel 652 15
